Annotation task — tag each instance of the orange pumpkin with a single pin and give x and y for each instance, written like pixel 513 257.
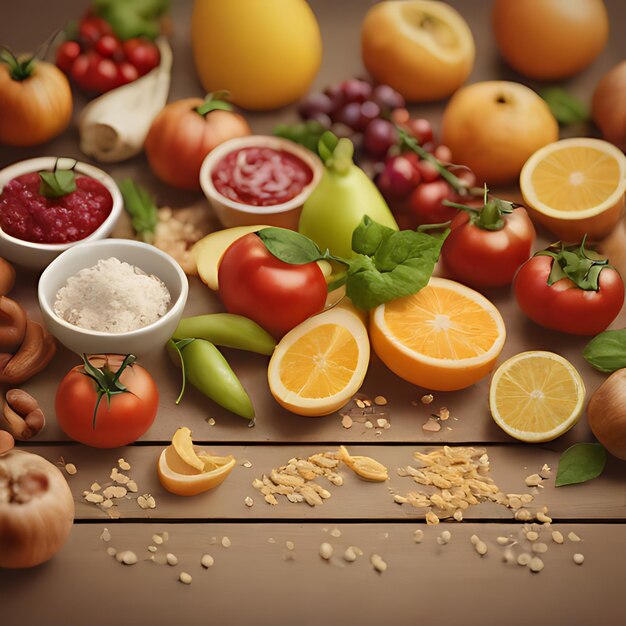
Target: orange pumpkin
pixel 36 103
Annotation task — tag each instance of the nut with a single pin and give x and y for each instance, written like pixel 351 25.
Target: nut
pixel 12 325
pixel 34 354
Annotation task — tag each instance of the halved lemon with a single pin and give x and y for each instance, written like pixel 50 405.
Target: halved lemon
pixel 576 187
pixel 536 396
pixel 319 365
pixel 445 337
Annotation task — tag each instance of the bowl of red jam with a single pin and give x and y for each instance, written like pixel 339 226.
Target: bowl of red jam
pixel 259 179
pixel 39 221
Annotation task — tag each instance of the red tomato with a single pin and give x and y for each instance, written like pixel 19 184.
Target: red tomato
pixel 276 295
pixel 426 202
pixel 141 53
pixel 126 73
pixel 487 258
pixel 109 46
pixel 564 305
pixel 90 29
pixel 180 138
pixel 128 416
pixel 67 53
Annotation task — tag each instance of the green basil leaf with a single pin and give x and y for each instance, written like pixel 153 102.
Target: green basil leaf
pixel 580 463
pixel 566 108
pixel 368 235
pixel 142 209
pixel 57 184
pixel 290 246
pixel 607 351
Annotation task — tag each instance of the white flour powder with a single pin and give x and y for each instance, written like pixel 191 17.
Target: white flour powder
pixel 112 296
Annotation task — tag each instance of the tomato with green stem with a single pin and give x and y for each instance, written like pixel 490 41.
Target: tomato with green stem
pixel 570 289
pixel 487 246
pixel 107 402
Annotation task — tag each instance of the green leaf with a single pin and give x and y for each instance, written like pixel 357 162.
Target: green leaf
pixel 132 18
pixel 401 264
pixel 290 246
pixel 306 134
pixel 566 108
pixel 142 209
pixel 580 463
pixel 607 351
pixel 368 235
pixel 57 184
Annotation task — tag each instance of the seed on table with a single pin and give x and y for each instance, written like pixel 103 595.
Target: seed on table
pixel 70 468
pixel 211 421
pixel 536 564
pixel 474 539
pixel 508 556
pixel 418 535
pixel 542 517
pixel 573 537
pixel 171 559
pixel 523 559
pixel 226 542
pixel 444 538
pixel 369 425
pixel 458 515
pixel 531 535
pixel 557 537
pixel 360 403
pixel 248 501
pixel 346 421
pixel 157 539
pixel 246 464
pixel 185 578
pixel 128 557
pixel 502 540
pixel 515 503
pixel 131 485
pixel 579 559
pixel 124 465
pixel 336 533
pixel 106 535
pixel 111 551
pixel 207 561
pixel 152 548
pixel 94 498
pixel 95 487
pixel 349 555
pixel 382 422
pixel 427 399
pixel 481 548
pixel 326 551
pixel 533 480
pixel 290 545
pixel 545 472
pixel 378 563
pixel 523 515
pixel 540 547
pixel 380 400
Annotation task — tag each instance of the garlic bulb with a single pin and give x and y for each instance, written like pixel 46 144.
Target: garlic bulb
pixel 114 126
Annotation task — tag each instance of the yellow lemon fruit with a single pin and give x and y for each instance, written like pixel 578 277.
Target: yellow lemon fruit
pixel 536 396
pixel 266 53
pixel 445 337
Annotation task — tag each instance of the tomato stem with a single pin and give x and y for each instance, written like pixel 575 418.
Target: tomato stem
pixel 214 102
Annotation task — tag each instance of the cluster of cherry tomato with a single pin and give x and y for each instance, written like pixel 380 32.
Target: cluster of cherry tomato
pixel 98 61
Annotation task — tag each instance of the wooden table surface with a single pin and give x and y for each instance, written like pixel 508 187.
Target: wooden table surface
pixel 258 580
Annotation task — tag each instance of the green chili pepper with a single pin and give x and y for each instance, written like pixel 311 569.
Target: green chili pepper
pixel 207 370
pixel 226 329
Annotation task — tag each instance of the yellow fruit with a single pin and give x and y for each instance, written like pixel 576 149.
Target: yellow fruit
pixel 183 480
pixel 576 187
pixel 319 365
pixel 182 443
pixel 265 53
pixel 494 126
pixel 550 39
pixel 536 396
pixel 445 337
pixel 423 49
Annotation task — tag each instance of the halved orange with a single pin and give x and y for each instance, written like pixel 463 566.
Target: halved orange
pixel 536 396
pixel 319 365
pixel 576 187
pixel 445 337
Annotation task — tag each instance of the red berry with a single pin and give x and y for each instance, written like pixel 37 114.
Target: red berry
pixel 421 129
pixel 399 177
pixel 355 90
pixel 109 46
pixel 126 73
pixel 67 53
pixel 91 29
pixel 141 53
pixel 379 136
pixel 428 171
pixel 443 153
pixel 427 199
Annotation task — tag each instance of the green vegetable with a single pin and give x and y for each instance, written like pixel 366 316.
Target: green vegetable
pixel 386 264
pixel 580 463
pixel 226 329
pixel 132 18
pixel 307 134
pixel 141 208
pixel 566 108
pixel 207 370
pixel 342 198
pixel 57 183
pixel 607 351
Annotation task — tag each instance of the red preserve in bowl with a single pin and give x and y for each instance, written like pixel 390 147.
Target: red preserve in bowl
pixel 261 176
pixel 27 215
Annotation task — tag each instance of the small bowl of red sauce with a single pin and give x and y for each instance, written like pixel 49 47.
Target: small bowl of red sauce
pixel 259 179
pixel 37 223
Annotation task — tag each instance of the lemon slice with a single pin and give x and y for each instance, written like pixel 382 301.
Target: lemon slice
pixel 183 444
pixel 536 396
pixel 319 365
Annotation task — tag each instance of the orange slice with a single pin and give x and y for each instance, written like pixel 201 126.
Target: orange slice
pixel 576 187
pixel 536 396
pixel 445 337
pixel 319 365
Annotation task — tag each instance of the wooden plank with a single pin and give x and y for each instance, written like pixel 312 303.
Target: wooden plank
pixel 356 499
pixel 252 582
pixel 469 407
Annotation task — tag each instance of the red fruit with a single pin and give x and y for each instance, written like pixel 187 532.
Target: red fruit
pixel 428 171
pixel 355 90
pixel 379 136
pixel 399 178
pixel 141 53
pixel 67 53
pixel 126 73
pixel 427 199
pixel 443 153
pixel 91 29
pixel 109 46
pixel 421 129
pixel 79 70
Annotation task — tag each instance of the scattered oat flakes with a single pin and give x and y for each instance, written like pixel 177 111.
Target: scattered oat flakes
pixel 113 513
pixel 211 421
pixel 106 535
pixel 368 425
pixel 185 578
pixel 378 563
pixel 533 480
pixel 152 548
pixel 335 532
pixel 359 403
pixel 432 519
pixel 536 564
pixel 542 517
pixel 418 535
pixel 114 492
pixel 346 421
pixel 128 557
pixel 481 548
pixel 326 551
pixel 290 545
pixel 95 487
pixel 579 559
pixel 381 423
pixel 350 554
pixel 70 468
pixel 431 425
pixel 124 465
pixel 523 559
pixel 540 547
pixel 248 501
pixel 226 542
pixel 171 559
pixel 545 472
pixel 572 536
pixel 207 561
pixel 557 537
pixel 444 414
pixel 444 538
pixel 503 540
pixel 111 551
pixel 94 498
pixel 157 539
pixel 245 463
pixel 427 399
pixel 146 501
pixel 474 539
pixel 523 515
pixel 380 400
pixel 532 535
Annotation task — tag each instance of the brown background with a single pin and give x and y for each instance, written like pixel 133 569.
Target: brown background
pixel 251 582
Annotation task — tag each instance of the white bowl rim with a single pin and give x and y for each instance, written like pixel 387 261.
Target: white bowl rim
pixel 270 141
pixel 38 163
pixel 103 243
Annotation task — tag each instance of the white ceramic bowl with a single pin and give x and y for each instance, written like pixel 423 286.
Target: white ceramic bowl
pixel 231 213
pixel 39 255
pixel 144 256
